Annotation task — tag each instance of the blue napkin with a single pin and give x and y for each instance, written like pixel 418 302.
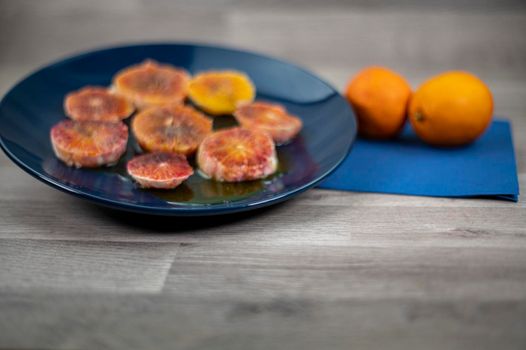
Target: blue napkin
pixel 406 165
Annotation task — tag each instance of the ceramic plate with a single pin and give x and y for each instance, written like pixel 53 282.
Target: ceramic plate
pixel 34 105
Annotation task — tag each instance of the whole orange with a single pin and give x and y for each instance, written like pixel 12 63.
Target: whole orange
pixel 451 109
pixel 379 97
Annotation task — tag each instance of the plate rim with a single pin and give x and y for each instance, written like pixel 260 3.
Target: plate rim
pixel 174 211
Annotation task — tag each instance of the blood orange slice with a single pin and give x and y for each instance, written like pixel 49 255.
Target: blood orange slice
pixel 159 170
pixel 89 143
pixel 176 128
pixel 271 118
pixel 220 92
pixel 97 103
pixel 237 154
pixel 151 83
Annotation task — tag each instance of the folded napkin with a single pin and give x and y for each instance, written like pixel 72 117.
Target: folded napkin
pixel 486 168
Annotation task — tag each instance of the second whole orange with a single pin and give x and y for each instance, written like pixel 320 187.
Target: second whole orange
pixel 451 109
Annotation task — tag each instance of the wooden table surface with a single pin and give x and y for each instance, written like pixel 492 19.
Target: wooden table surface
pixel 328 270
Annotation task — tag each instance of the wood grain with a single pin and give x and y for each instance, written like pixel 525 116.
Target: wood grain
pixel 327 270
pixel 66 321
pixel 74 266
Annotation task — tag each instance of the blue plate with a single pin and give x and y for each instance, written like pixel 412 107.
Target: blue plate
pixel 34 105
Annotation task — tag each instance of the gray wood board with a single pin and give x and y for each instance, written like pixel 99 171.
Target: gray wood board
pixel 327 270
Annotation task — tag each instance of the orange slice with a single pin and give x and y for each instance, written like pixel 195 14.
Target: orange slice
pixel 237 154
pixel 152 83
pixel 271 118
pixel 89 143
pixel 220 92
pixel 159 170
pixel 97 103
pixel 177 128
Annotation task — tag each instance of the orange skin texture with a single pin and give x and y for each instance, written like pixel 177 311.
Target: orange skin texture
pixel 451 109
pixel 97 103
pixel 175 128
pixel 221 92
pixel 237 154
pixel 89 143
pixel 151 83
pixel 271 118
pixel 159 170
pixel 379 97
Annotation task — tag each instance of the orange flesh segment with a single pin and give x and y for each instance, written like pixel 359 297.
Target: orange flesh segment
pixel 89 143
pixel 97 103
pixel 160 166
pixel 152 83
pixel 220 92
pixel 177 128
pixel 271 118
pixel 237 154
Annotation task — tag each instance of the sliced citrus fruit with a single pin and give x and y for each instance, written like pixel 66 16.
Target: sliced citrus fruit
pixel 271 118
pixel 89 143
pixel 97 103
pixel 237 154
pixel 176 128
pixel 159 170
pixel 220 92
pixel 152 83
